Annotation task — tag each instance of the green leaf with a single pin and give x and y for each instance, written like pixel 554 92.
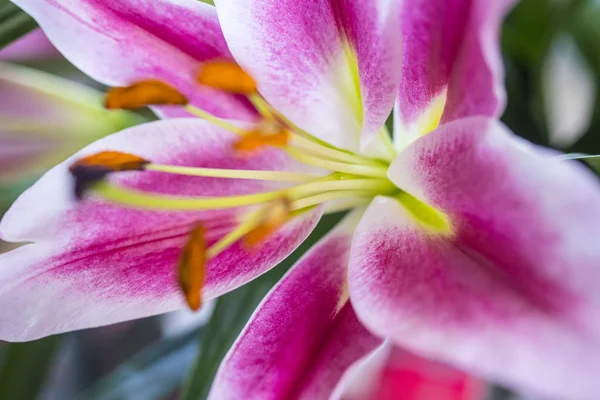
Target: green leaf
pixel 152 374
pixel 25 367
pixel 14 23
pixel 233 311
pixel 594 163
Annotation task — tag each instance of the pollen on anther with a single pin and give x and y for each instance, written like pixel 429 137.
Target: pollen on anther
pixel 267 133
pixel 274 217
pixel 143 93
pixel 93 168
pixel 227 76
pixel 191 268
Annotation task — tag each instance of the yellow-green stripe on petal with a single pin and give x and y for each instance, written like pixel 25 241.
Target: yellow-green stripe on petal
pixel 428 217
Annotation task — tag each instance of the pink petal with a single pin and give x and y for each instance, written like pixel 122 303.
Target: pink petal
pixel 120 42
pixel 303 336
pixel 33 46
pixel 450 46
pixel 94 263
pixel 512 295
pixel 295 50
pixel 400 375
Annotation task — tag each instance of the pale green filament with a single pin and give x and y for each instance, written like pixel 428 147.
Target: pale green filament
pixel 251 221
pixel 261 105
pixel 234 173
pixel 364 170
pixel 304 143
pixel 139 199
pixel 371 185
pixel 386 139
pixel 211 118
pixel 334 154
pixel 329 196
pixel 347 204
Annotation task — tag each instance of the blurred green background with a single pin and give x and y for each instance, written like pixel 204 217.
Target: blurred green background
pixel 551 52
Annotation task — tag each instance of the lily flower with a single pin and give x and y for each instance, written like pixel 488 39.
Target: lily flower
pixel 464 243
pixel 395 374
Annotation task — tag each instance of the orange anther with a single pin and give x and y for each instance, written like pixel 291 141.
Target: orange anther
pixel 112 161
pixel 274 217
pixel 192 265
pixel 91 169
pixel 267 133
pixel 143 93
pixel 227 76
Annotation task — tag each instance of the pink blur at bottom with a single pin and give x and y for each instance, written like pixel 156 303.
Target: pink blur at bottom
pixel 409 377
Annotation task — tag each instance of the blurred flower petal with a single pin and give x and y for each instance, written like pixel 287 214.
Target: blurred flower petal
pixel 570 92
pixel 45 118
pixel 33 46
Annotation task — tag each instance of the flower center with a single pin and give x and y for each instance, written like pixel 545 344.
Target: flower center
pixel 345 180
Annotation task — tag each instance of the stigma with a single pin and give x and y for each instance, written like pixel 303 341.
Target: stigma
pixel 343 180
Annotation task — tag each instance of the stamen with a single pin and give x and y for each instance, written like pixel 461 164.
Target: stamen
pixel 332 153
pixel 311 201
pixel 364 170
pixel 345 204
pixel 94 168
pixel 278 176
pixel 262 106
pixel 227 76
pixel 266 133
pixel 139 199
pixel 143 93
pixel 274 216
pixel 329 184
pixel 134 198
pixel 271 132
pixel 250 221
pixel 191 269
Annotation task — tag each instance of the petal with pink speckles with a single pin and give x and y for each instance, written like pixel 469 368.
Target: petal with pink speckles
pixel 93 263
pixel 452 66
pixel 333 68
pixel 511 293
